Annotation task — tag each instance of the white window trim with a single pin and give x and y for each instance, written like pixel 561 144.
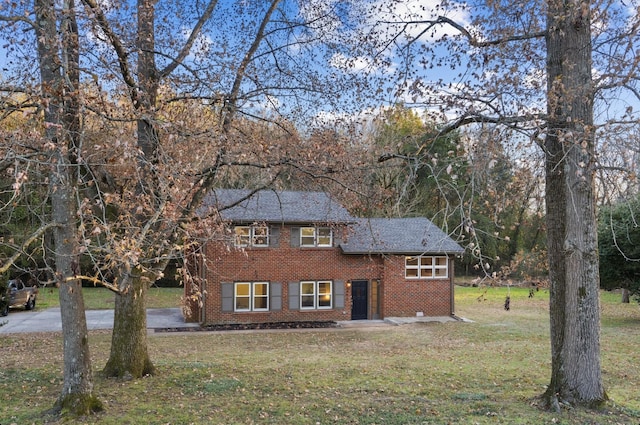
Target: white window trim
pixel 432 268
pixel 316 295
pixel 252 297
pixel 252 236
pixel 316 237
pixel 330 244
pixel 236 236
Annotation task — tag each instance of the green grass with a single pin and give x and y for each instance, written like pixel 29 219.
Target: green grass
pixel 489 371
pixel 101 298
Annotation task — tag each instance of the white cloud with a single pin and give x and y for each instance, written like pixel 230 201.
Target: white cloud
pixel 321 17
pixel 632 11
pixel 347 64
pixel 106 6
pixel 357 120
pixel 201 46
pixel 382 27
pixel 392 16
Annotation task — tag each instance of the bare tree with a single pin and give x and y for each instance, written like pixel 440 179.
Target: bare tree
pixel 576 376
pixel 498 58
pixel 59 72
pixel 164 111
pixel 172 74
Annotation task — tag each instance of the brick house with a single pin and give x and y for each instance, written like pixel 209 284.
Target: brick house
pixel 300 256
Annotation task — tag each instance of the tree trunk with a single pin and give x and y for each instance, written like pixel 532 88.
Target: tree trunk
pixel 625 295
pixel 77 393
pixel 576 377
pixel 129 357
pixel 59 80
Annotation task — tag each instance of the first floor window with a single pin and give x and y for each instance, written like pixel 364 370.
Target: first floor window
pixel 251 296
pixel 426 267
pixel 316 295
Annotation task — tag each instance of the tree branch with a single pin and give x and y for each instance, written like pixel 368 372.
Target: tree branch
pixel 121 52
pixel 16 19
pixel 9 262
pixel 96 281
pixel 462 121
pixel 443 20
pixel 13 89
pixel 192 38
pixel 233 95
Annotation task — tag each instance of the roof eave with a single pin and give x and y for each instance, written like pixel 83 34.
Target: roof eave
pixel 390 252
pixel 288 222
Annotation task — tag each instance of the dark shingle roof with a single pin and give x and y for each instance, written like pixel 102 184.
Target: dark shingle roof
pixel 367 235
pixel 398 236
pixel 277 206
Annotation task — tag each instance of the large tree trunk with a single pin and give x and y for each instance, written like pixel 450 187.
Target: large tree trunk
pixel 129 357
pixel 571 220
pixel 60 81
pixel 77 393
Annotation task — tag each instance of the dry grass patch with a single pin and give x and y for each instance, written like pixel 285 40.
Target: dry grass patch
pixel 486 372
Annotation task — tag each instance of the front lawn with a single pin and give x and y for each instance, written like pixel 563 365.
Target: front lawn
pixel 485 372
pixel 98 298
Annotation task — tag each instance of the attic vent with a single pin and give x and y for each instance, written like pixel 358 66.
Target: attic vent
pixel 424 242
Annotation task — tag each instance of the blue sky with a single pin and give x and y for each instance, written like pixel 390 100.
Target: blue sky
pixel 304 55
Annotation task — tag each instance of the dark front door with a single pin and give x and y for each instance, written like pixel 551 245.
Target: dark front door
pixel 359 299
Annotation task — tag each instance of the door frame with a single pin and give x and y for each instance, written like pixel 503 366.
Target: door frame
pixel 365 284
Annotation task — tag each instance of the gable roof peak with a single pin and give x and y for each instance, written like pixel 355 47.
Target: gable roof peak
pixel 276 206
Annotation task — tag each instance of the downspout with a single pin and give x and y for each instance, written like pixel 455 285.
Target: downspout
pixel 452 286
pixel 203 289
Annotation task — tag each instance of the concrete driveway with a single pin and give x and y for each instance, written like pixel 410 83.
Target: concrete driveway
pixel 48 320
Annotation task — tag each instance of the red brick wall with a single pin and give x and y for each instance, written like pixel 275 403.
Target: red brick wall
pixel 406 297
pixel 283 264
pixel 398 297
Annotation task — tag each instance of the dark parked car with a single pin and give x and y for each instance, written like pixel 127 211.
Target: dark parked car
pixel 4 298
pixel 18 295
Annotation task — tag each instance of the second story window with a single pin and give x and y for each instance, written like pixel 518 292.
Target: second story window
pixel 316 236
pixel 251 236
